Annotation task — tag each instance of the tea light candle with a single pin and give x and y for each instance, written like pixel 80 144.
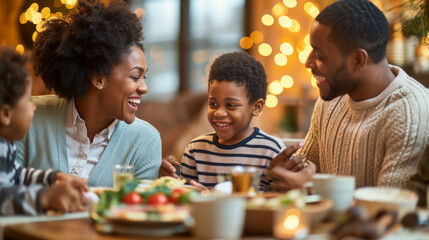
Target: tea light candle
pixel 289 224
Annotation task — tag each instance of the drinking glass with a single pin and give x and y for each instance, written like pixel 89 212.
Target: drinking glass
pixel 122 174
pixel 244 179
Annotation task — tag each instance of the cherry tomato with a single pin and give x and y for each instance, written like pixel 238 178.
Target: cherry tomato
pixel 176 194
pixel 132 198
pixel 157 198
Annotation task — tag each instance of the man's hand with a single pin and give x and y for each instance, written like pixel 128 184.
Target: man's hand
pixel 285 180
pixel 76 181
pixel 168 167
pixel 284 158
pixel 64 197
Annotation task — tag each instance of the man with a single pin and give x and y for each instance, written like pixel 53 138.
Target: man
pixel 371 120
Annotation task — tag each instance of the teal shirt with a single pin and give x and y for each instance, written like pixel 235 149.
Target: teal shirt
pixel 45 147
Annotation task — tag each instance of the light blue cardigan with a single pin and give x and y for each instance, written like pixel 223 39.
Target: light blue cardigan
pixel 45 147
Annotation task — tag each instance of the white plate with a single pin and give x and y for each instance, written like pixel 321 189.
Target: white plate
pixel 223 188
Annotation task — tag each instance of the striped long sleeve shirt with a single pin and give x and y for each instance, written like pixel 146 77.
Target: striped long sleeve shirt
pixel 20 188
pixel 205 158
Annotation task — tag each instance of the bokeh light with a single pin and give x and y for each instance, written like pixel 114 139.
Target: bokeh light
pixel 20 48
pixel 314 11
pixel 290 3
pixel 295 26
pixel 287 81
pixel 34 36
pixel 267 20
pixel 275 87
pixel 246 42
pixel 200 56
pixel 265 49
pixel 279 10
pixel 286 48
pixel 257 37
pixel 302 56
pixel 313 82
pixel 285 21
pixel 280 59
pixel 45 12
pixel 271 101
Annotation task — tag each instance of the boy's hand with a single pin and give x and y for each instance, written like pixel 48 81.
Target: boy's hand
pixel 64 197
pixel 81 182
pixel 168 167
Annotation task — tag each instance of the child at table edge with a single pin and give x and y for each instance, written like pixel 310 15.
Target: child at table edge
pixel 237 88
pixel 23 190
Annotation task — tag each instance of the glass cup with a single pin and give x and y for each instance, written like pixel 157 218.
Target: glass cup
pixel 244 180
pixel 121 175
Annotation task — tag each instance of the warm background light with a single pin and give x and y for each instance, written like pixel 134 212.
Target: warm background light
pixel 286 48
pixel 280 59
pixel 295 26
pixel 267 20
pixel 285 21
pixel 286 81
pixel 271 101
pixel 290 3
pixel 275 87
pixel 246 42
pixel 20 48
pixel 265 49
pixel 257 37
pixel 279 9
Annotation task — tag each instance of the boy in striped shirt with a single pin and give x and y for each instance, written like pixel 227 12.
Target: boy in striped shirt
pixel 237 90
pixel 26 191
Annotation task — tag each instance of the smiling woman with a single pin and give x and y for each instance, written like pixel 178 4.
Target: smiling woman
pixel 94 60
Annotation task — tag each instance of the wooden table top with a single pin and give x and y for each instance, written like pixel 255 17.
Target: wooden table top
pixel 73 229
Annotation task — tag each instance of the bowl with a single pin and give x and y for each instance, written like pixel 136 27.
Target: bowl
pixel 374 199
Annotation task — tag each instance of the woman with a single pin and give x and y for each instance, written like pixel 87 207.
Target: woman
pixel 94 60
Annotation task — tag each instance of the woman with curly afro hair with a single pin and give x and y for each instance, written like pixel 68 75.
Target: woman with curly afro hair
pixel 94 61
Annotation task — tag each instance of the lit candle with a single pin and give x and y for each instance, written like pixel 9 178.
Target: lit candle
pixel 289 225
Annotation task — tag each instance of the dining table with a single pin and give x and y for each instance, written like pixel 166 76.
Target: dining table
pixel 80 226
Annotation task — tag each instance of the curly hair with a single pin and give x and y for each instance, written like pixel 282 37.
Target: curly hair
pixel 88 42
pixel 14 77
pixel 357 24
pixel 243 69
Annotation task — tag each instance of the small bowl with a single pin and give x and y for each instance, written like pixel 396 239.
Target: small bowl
pixel 374 199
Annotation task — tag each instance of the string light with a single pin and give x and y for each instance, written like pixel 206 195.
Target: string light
pixel 271 101
pixel 280 59
pixel 265 49
pixel 246 42
pixel 257 37
pixel 290 3
pixel 286 48
pixel 267 20
pixel 20 49
pixel 286 81
pixel 285 21
pixel 275 87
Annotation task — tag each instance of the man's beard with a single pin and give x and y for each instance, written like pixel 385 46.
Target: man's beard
pixel 340 84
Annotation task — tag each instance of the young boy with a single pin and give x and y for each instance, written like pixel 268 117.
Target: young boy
pixel 237 91
pixel 24 191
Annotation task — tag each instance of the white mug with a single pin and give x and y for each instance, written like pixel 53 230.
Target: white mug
pixel 218 218
pixel 339 189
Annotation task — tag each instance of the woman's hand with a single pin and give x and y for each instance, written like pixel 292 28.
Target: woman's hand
pixel 285 180
pixel 169 167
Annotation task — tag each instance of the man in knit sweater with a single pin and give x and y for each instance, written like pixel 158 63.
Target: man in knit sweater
pixel 371 120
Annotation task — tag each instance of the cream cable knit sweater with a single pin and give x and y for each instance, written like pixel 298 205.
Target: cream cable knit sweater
pixel 379 140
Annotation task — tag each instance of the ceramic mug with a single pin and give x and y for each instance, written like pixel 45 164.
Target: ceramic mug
pixel 218 218
pixel 339 189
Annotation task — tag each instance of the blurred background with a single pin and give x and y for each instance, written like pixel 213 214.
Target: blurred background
pixel 183 37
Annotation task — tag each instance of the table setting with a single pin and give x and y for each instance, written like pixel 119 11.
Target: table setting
pixel 328 207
